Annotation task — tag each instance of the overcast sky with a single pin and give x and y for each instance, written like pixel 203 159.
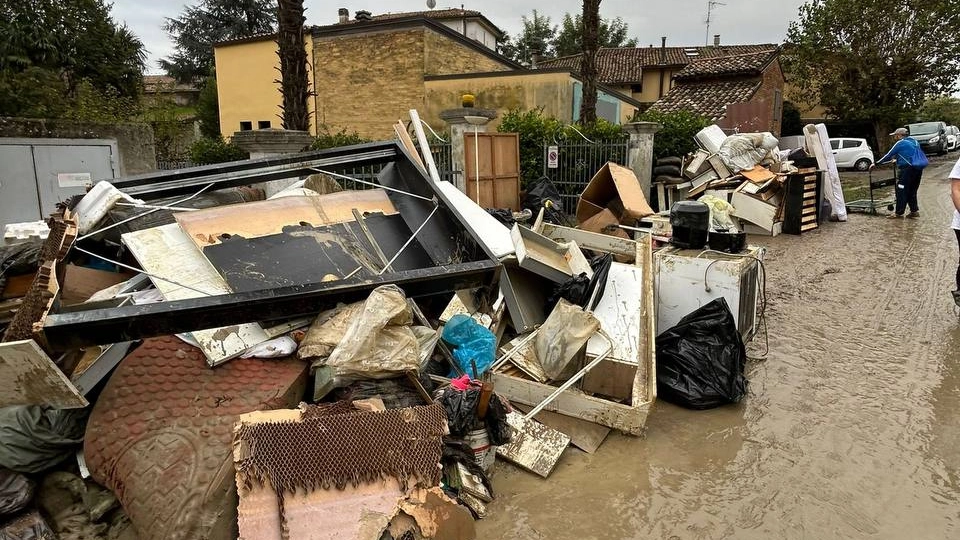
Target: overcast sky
pixel 682 21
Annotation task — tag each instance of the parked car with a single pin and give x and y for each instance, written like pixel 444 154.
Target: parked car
pixel 932 136
pixel 953 138
pixel 852 153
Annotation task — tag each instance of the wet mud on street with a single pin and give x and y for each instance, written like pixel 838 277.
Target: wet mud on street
pixel 851 428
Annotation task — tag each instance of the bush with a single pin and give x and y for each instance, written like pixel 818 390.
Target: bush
pixel 329 139
pixel 676 136
pixel 209 150
pixel 537 129
pixel 208 109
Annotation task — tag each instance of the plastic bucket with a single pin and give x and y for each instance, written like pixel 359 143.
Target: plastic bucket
pixel 483 452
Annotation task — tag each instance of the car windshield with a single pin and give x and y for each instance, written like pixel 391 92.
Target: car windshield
pixel 925 128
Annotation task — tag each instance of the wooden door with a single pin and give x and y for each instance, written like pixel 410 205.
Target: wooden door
pixel 499 180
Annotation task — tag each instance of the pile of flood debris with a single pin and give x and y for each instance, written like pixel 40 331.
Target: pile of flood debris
pixel 746 177
pixel 194 359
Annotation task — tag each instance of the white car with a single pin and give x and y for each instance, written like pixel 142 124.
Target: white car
pixel 953 138
pixel 852 153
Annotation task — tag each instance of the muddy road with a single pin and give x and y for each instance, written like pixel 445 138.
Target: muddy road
pixel 852 424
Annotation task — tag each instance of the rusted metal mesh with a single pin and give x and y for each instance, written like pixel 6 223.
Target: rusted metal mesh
pixel 326 450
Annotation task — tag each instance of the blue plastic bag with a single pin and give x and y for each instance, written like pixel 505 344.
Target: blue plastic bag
pixel 471 342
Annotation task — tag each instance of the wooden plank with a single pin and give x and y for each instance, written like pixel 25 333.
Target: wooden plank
pixel 167 252
pixel 585 435
pixel 808 227
pixel 31 378
pixel 17 286
pixel 534 447
pixel 401 131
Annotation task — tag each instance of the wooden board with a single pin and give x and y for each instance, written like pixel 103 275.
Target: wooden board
pixel 167 252
pixel 535 447
pixel 585 435
pixel 31 378
pixel 262 218
pixel 499 160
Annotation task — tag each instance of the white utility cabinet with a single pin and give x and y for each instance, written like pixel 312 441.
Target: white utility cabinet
pixel 687 279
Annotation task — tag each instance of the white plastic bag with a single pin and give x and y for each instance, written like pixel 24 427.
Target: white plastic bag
pixel 720 211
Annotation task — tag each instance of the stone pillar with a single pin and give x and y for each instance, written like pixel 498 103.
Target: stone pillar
pixel 263 143
pixel 459 124
pixel 640 153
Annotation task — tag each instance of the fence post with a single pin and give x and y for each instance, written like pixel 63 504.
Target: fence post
pixel 640 151
pixel 456 120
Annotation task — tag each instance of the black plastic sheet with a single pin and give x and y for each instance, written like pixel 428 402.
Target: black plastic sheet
pixel 538 195
pixel 700 361
pixel 16 490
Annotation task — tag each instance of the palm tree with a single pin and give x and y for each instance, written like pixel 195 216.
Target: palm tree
pixel 588 66
pixel 293 65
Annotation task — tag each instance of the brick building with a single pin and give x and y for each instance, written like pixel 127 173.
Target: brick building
pixel 742 92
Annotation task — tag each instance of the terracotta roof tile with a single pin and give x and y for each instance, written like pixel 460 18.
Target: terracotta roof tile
pixel 737 64
pixel 625 64
pixel 709 99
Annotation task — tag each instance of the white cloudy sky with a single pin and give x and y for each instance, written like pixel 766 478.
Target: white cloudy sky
pixel 682 21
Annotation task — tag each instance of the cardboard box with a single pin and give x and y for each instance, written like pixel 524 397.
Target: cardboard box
pixel 604 223
pixel 615 188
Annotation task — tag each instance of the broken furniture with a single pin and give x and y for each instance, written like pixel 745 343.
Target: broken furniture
pixel 689 279
pixel 801 208
pixel 458 260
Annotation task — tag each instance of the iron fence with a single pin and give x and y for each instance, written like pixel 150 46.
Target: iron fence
pixel 174 165
pixel 577 162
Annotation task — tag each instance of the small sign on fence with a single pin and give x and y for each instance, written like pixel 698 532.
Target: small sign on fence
pixel 553 157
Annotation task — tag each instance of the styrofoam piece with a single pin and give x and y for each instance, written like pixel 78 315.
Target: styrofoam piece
pixel 491 233
pixel 17 233
pixel 96 203
pixel 710 138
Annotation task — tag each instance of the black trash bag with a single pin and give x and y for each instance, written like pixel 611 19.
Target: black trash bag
pixel 601 269
pixel 574 290
pixel 16 490
pixel 538 195
pixel 459 451
pixel 36 438
pixel 666 170
pixel 461 409
pixel 700 361
pixel 503 215
pixel 670 160
pixel 498 430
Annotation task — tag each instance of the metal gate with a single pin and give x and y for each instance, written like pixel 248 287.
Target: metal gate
pixel 575 163
pixel 36 174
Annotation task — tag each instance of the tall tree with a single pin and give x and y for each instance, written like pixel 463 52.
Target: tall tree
pixel 537 35
pixel 200 26
pixel 610 33
pixel 588 66
pixel 943 108
pixel 874 60
pixel 293 65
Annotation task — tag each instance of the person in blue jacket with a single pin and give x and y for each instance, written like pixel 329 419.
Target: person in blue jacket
pixel 910 164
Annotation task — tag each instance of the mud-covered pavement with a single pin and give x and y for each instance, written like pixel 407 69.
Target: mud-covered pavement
pixel 852 424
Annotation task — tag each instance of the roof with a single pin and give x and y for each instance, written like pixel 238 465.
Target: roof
pixel 436 14
pixel 624 65
pixel 153 84
pixel 709 98
pixel 722 66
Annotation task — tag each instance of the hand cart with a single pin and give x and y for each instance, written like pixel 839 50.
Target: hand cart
pixel 873 204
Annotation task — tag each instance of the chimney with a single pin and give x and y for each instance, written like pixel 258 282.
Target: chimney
pixel 363 15
pixel 716 40
pixel 534 58
pixel 344 14
pixel 663 50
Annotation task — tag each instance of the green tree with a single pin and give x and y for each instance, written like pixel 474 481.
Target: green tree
pixel 874 60
pixel 588 65
pixel 675 138
pixel 943 108
pixel 790 120
pixel 293 65
pixel 208 109
pixel 610 33
pixel 75 39
pixel 537 35
pixel 200 26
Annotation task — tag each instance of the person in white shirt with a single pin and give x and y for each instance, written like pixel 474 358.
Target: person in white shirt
pixel 955 195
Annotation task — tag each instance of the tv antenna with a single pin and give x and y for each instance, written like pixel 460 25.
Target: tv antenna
pixel 710 5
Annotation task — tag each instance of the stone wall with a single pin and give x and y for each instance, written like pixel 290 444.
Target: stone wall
pixel 443 56
pixel 134 141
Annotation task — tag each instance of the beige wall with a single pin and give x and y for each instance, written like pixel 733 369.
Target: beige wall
pixel 246 87
pixel 808 111
pixel 651 83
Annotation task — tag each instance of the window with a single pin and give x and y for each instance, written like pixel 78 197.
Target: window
pixel 851 143
pixel 835 144
pixel 636 88
pixel 246 126
pixel 263 124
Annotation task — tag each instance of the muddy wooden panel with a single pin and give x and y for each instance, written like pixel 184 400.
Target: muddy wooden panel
pixel 534 447
pixel 585 435
pixel 31 378
pixel 499 160
pixel 262 218
pixel 180 272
